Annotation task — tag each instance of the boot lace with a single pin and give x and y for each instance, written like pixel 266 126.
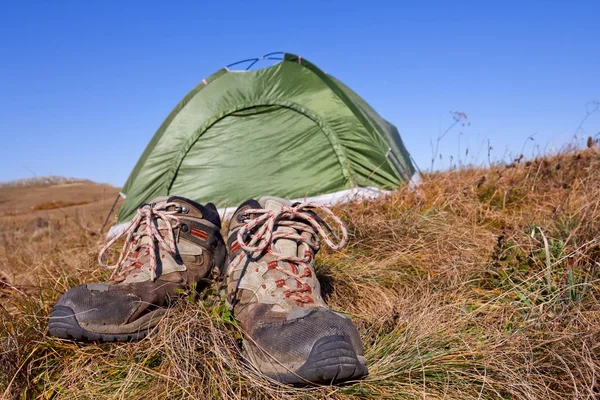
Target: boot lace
pixel 133 249
pixel 259 233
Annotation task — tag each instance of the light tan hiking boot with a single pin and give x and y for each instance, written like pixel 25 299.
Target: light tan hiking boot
pixel 291 334
pixel 171 243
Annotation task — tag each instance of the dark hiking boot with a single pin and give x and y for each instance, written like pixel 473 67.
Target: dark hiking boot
pixel 170 244
pixel 290 333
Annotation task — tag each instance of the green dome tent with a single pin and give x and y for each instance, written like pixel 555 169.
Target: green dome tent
pixel 287 130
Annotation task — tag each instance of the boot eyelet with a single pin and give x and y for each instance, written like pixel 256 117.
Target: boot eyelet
pixel 185 228
pixel 184 209
pixel 240 217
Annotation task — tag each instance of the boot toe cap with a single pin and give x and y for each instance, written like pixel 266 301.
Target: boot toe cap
pixel 95 304
pixel 320 347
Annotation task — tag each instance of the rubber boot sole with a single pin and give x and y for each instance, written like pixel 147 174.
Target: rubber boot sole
pixel 64 325
pixel 332 360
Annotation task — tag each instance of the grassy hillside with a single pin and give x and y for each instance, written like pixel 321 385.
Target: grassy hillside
pixel 483 284
pixel 36 221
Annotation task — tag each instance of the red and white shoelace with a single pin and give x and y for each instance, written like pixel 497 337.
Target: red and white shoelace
pixel 132 250
pixel 259 233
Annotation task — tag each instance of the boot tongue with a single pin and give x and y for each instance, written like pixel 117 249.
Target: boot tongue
pixel 159 223
pixel 273 203
pixel 285 247
pixel 166 263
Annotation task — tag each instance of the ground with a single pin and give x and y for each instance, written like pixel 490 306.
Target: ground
pixel 483 283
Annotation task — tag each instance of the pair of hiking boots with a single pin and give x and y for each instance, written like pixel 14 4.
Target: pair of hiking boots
pixel 290 334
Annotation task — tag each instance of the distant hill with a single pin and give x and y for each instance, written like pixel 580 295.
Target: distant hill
pixel 41 181
pixel 48 193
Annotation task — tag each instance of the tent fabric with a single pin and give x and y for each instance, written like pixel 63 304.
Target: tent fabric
pixel 287 130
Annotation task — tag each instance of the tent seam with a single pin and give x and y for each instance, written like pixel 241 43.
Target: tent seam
pixel 363 119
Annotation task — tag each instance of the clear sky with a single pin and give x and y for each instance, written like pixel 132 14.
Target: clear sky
pixel 85 84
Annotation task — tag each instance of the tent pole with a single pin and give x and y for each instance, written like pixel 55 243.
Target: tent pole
pixel 110 212
pixel 415 163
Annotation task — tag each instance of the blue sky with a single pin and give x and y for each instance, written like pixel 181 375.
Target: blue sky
pixel 84 85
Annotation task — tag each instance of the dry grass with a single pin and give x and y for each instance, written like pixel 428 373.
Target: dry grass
pixel 484 284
